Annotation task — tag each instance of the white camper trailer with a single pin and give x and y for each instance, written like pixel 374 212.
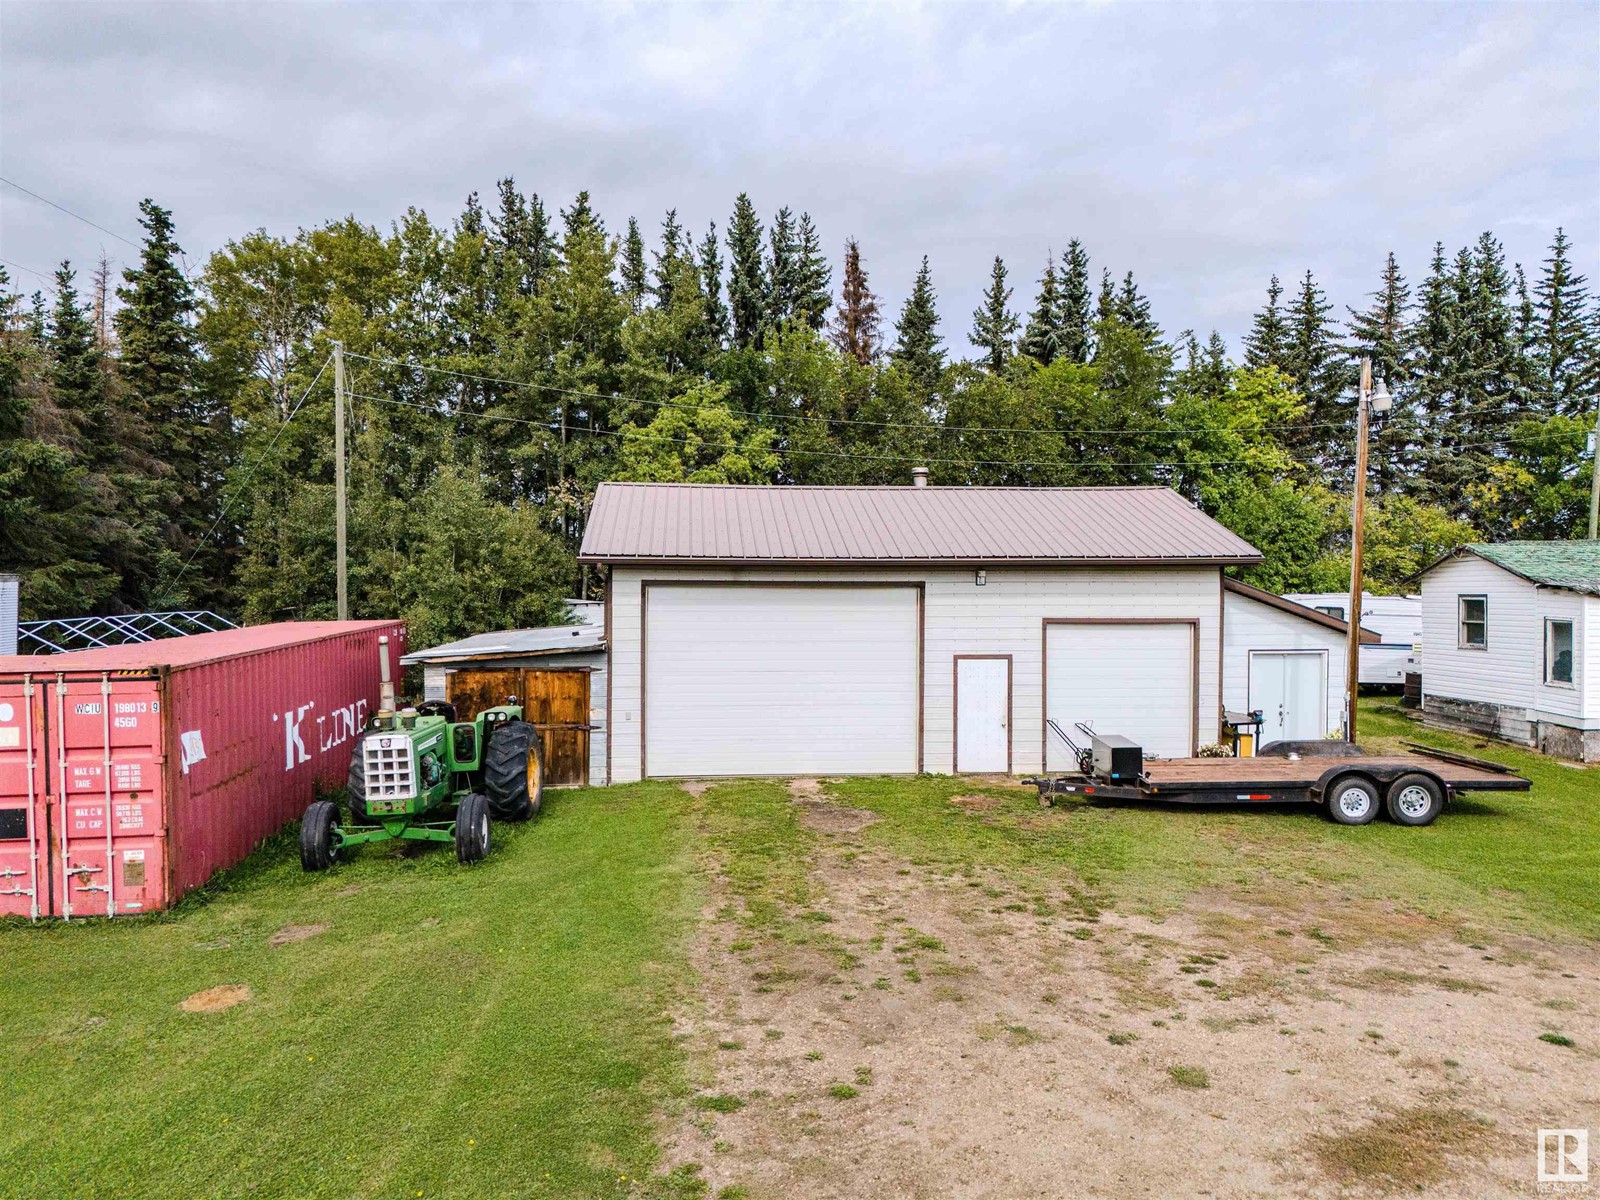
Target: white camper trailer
pixel 1397 620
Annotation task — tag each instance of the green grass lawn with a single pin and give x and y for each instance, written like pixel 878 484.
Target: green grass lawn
pixel 505 1029
pixel 1523 860
pixel 494 1031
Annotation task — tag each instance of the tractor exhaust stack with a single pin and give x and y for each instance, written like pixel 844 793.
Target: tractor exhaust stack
pixel 385 683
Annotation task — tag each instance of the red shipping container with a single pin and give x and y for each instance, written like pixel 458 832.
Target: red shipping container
pixel 129 775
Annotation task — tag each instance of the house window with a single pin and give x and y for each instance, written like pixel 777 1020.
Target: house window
pixel 1558 651
pixel 1332 610
pixel 1473 632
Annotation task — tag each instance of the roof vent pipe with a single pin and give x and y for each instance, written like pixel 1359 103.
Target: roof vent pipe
pixel 919 476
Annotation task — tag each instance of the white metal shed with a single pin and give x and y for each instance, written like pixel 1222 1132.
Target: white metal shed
pixel 790 630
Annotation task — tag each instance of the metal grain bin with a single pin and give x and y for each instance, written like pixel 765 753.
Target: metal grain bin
pixel 130 774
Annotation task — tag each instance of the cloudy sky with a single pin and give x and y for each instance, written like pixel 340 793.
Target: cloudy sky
pixel 1202 146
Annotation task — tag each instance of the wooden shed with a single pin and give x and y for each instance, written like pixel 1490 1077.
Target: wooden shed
pixel 557 673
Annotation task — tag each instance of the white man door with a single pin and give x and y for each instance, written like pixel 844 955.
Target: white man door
pixel 983 713
pixel 1290 687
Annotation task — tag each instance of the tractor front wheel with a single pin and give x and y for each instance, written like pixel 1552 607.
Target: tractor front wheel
pixel 513 772
pixel 318 847
pixel 355 783
pixel 472 827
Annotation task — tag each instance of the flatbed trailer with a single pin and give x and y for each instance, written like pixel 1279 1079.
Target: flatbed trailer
pixel 1413 786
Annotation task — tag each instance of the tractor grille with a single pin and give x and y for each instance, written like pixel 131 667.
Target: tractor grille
pixel 388 764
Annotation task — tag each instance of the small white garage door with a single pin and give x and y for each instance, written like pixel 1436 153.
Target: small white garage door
pixel 1132 679
pixel 780 680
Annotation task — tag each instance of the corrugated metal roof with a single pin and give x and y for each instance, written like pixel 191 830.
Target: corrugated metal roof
pixel 679 522
pixel 186 651
pixel 510 642
pixel 1296 609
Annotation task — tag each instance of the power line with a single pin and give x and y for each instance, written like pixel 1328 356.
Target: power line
pixel 50 278
pixel 803 453
pixel 70 213
pixel 760 416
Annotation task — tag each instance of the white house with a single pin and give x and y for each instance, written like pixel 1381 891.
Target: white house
pixel 1397 620
pixel 864 630
pixel 1511 644
pixel 1285 660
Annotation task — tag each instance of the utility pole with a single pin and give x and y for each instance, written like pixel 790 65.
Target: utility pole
pixel 1594 486
pixel 1358 517
pixel 338 478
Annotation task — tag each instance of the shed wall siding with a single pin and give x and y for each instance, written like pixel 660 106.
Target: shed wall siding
pixel 1250 625
pixel 1005 616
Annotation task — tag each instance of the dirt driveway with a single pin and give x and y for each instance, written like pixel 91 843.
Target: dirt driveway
pixel 967 1035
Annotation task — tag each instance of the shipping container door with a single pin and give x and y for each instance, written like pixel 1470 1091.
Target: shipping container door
pixel 107 825
pixel 24 845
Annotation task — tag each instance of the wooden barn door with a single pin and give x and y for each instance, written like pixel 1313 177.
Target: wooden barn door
pixel 556 703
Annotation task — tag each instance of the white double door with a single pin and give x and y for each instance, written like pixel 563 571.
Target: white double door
pixel 983 714
pixel 1291 690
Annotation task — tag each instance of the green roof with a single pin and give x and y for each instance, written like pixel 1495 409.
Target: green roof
pixel 1572 565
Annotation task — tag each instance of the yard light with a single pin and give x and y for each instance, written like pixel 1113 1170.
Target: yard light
pixel 1382 402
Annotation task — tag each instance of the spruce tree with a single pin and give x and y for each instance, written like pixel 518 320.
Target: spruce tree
pixel 1041 341
pixel 1321 372
pixel 77 377
pixel 635 278
pixel 177 428
pixel 918 347
pixel 1566 344
pixel 994 326
pixel 783 268
pixel 1076 321
pixel 711 286
pixel 1133 310
pixel 1382 332
pixel 520 243
pixel 1435 337
pixel 674 252
pixel 1105 308
pixel 856 320
pixel 1267 343
pixel 813 275
pixel 747 282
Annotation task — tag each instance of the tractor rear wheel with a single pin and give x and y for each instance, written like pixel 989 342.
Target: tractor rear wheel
pixel 472 827
pixel 318 850
pixel 355 784
pixel 513 772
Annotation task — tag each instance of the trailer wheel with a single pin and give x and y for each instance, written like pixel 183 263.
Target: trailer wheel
pixel 355 783
pixel 318 848
pixel 513 772
pixel 1415 799
pixel 472 828
pixel 1352 800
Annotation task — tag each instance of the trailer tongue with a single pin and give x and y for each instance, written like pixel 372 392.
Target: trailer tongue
pixel 1413 786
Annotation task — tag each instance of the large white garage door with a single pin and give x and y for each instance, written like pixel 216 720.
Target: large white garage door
pixel 780 680
pixel 1134 679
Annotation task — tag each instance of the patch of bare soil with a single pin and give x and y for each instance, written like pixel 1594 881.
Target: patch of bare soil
pixel 819 813
pixel 972 1037
pixel 295 933
pixel 215 999
pixel 698 787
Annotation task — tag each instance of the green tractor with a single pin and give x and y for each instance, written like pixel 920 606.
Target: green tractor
pixel 418 774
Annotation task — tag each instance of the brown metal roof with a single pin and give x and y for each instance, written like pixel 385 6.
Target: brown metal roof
pixel 703 523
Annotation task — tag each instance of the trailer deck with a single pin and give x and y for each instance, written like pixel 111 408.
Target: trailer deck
pixel 1310 778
